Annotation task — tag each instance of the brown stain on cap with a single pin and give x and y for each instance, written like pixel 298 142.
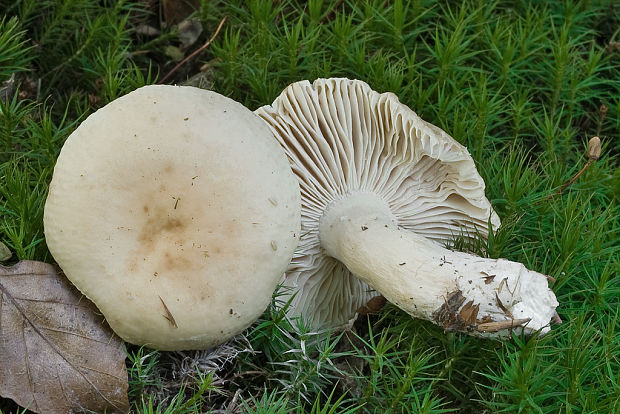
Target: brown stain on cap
pixel 173 240
pixel 160 223
pixel 157 238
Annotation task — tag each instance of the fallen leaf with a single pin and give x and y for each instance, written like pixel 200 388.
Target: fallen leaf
pixel 174 53
pixel 469 313
pixel 205 79
pixel 374 305
pixel 487 278
pixel 502 307
pixel 147 30
pixel 5 253
pixel 7 89
pixel 189 32
pixel 176 11
pixel 57 354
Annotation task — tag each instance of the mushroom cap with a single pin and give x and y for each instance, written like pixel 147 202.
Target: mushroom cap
pixel 176 212
pixel 341 138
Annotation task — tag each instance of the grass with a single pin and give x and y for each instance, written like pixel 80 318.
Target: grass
pixel 523 84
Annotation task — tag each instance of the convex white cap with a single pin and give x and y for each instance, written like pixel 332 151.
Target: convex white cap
pixel 175 211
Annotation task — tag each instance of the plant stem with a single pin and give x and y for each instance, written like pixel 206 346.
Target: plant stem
pixel 194 53
pixel 572 180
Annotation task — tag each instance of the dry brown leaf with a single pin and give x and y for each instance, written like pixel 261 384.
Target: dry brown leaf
pixel 56 353
pixel 189 32
pixel 176 11
pixel 374 305
pixel 5 253
pixel 469 313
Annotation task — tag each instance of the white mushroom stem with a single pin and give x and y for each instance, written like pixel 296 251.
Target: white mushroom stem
pixel 456 290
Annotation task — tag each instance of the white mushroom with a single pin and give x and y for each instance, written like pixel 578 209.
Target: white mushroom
pixel 176 212
pixel 382 193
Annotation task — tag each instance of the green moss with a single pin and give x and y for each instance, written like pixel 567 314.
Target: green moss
pixel 523 84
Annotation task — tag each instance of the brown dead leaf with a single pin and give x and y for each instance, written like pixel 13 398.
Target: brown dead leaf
pixel 57 355
pixel 487 278
pixel 374 305
pixel 189 32
pixel 502 307
pixel 176 11
pixel 5 253
pixel 7 88
pixel 447 315
pixel 469 313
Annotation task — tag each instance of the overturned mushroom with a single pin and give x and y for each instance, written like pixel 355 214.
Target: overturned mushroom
pixel 176 212
pixel 382 192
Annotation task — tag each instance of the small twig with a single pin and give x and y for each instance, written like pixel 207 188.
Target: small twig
pixel 500 325
pixel 232 405
pixel 194 53
pixel 572 180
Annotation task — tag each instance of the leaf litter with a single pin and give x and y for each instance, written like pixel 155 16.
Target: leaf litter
pixel 57 354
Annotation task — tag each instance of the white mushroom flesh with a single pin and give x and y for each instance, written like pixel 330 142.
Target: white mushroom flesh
pixel 425 280
pixel 342 140
pixel 176 212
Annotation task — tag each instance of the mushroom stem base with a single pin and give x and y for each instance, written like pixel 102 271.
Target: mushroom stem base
pixel 458 291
